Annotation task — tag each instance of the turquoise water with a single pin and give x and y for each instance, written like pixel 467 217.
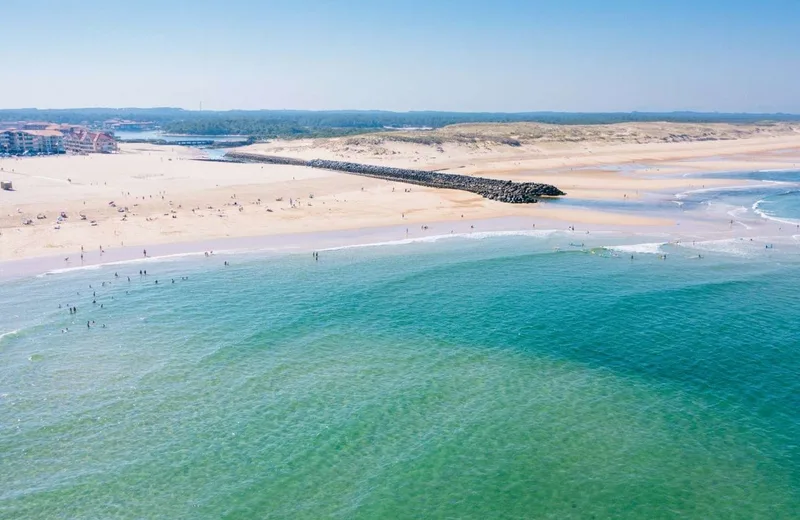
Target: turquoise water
pixel 492 378
pixel 783 206
pixel 776 198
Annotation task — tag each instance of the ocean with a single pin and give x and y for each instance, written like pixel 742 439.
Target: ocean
pixel 775 197
pixel 511 376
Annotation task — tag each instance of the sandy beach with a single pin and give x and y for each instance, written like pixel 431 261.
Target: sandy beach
pixel 147 195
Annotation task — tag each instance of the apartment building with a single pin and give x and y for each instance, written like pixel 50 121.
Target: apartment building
pixel 18 142
pixel 84 141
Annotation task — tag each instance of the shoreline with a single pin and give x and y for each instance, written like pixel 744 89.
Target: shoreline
pixel 278 243
pixel 161 199
pixel 330 240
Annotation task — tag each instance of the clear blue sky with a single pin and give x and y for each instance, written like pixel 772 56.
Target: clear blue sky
pixel 465 55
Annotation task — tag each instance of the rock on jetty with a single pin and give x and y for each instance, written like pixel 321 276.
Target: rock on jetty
pixel 494 189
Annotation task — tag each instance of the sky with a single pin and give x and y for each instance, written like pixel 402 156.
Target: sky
pixel 464 55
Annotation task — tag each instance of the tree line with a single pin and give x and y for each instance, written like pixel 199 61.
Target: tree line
pixel 300 123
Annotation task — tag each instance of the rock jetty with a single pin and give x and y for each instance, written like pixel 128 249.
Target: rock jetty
pixel 494 189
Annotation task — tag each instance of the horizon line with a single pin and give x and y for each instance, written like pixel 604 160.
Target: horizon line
pixel 345 110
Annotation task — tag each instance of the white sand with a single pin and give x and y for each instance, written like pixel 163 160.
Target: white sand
pixel 86 184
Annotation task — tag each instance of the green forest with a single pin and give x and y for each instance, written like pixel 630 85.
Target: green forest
pixel 300 123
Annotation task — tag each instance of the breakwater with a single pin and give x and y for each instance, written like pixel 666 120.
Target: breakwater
pixel 494 189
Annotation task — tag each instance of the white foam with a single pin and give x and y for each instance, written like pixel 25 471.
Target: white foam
pixel 650 248
pixel 754 185
pixel 740 247
pixel 10 333
pixel 737 213
pixel 149 259
pixel 479 235
pixel 764 214
pixel 71 269
pixel 685 194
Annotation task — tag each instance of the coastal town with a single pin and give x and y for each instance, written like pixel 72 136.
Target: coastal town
pixel 28 138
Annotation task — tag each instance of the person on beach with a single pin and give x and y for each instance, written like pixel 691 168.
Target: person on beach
pixel 144 252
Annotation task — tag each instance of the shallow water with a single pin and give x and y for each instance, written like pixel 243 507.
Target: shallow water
pixel 462 378
pixel 783 206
